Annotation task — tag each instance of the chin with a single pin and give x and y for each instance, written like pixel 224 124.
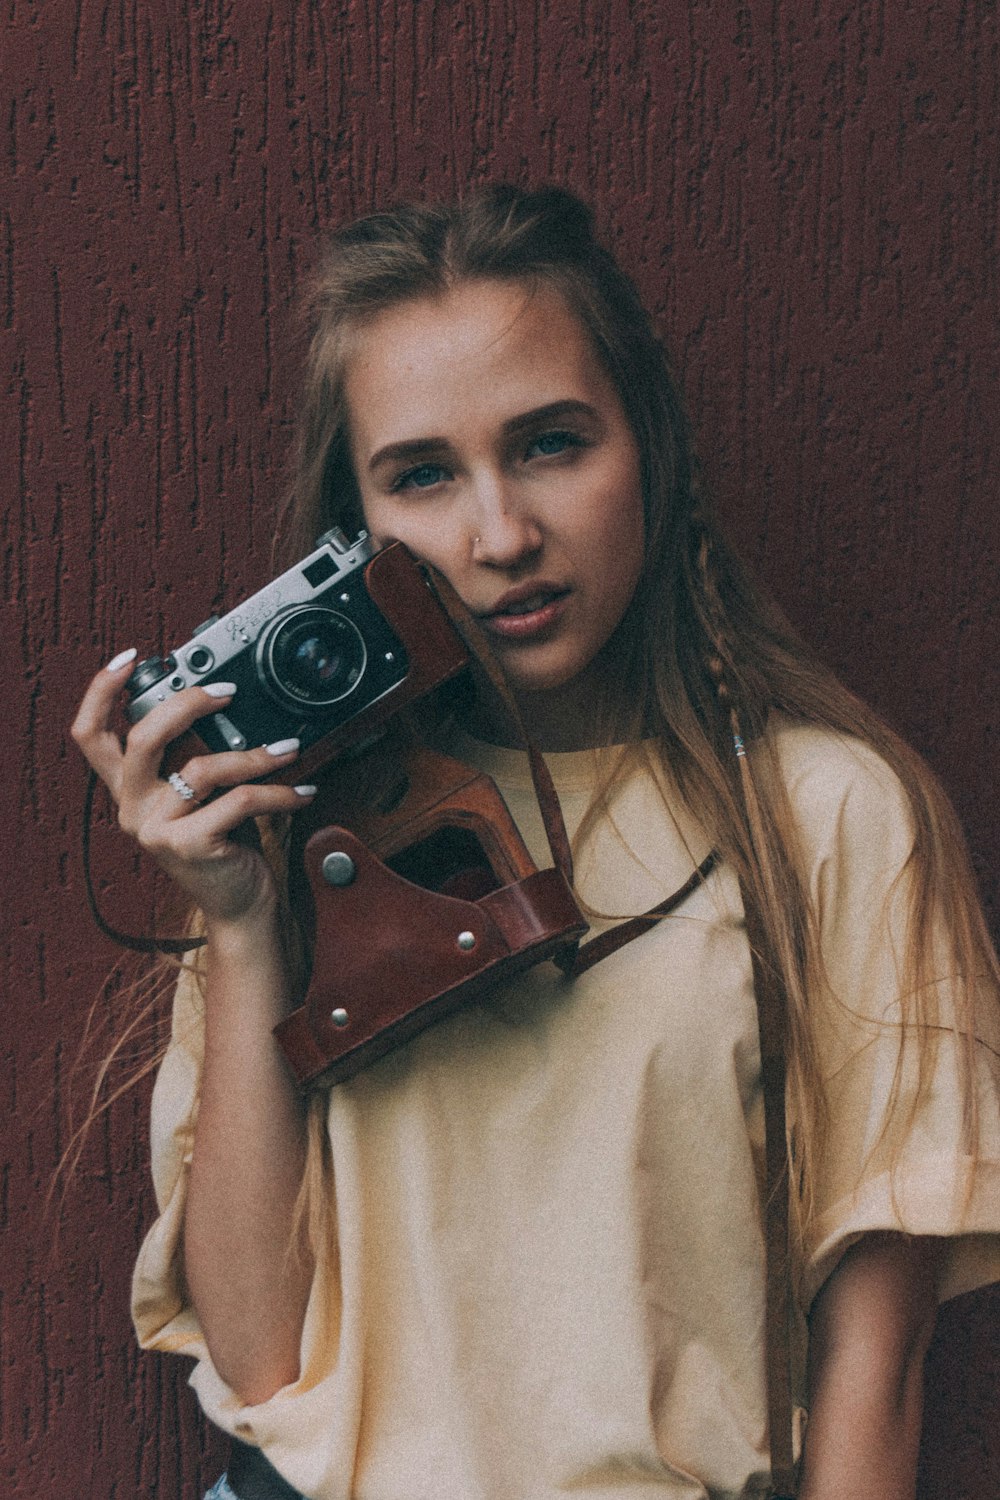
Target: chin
pixel 532 683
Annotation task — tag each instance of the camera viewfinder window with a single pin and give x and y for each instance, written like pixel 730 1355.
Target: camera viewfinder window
pixel 319 571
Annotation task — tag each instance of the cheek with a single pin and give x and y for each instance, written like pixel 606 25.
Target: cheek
pixel 625 548
pixel 627 581
pixel 374 520
pixel 426 539
pixel 387 522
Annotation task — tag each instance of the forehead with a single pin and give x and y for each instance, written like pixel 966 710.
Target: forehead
pixel 489 347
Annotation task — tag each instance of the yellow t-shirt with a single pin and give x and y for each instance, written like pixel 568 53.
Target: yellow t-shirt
pixel 547 1275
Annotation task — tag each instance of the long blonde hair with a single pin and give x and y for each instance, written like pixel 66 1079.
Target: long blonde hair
pixel 713 658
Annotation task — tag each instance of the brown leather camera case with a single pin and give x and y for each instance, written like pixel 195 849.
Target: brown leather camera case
pixel 392 955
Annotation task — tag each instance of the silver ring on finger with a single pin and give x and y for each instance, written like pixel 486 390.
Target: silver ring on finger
pixel 181 787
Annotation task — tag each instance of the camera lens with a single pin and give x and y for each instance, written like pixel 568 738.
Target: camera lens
pixel 311 657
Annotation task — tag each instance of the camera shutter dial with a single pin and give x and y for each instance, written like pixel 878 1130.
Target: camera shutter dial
pixel 148 673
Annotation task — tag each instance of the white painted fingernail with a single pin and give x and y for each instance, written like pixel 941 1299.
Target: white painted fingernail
pixel 220 689
pixel 282 747
pixel 121 660
pixel 306 791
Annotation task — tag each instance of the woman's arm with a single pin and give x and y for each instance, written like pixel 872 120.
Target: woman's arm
pixel 249 1280
pixel 869 1331
pixel 249 1283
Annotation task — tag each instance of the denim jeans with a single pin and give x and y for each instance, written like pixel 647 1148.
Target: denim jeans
pixel 220 1490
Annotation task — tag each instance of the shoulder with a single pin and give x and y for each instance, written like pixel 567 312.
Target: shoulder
pixel 849 807
pixel 829 776
pixel 824 770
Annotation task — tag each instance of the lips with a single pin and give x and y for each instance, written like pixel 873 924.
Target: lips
pixel 524 613
pixel 527 606
pixel 525 598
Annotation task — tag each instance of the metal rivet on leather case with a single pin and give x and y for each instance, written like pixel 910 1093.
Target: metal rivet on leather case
pixel 466 940
pixel 338 868
pixel 339 1017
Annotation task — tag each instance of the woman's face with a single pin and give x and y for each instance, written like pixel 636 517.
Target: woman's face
pixel 486 436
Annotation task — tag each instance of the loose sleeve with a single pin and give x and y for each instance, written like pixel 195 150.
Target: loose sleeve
pixel 164 1317
pixel 896 1156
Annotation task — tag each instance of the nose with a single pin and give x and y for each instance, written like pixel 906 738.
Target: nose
pixel 505 530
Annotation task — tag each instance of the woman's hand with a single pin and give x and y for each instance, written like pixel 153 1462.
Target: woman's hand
pixel 189 836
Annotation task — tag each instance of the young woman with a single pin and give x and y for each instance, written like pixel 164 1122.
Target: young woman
pixel 522 1256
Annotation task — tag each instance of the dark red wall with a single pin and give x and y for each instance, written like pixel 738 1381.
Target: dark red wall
pixel 807 193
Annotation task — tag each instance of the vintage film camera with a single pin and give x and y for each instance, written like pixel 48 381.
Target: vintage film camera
pixel 308 653
pixel 413 883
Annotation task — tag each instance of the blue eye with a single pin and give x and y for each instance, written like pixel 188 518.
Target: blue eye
pixel 547 444
pixel 419 478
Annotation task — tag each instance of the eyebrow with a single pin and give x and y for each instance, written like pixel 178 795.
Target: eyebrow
pixel 416 448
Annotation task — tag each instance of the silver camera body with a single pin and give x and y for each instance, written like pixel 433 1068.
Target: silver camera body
pixel 308 652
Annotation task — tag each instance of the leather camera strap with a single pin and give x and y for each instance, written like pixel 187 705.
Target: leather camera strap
pixel 614 938
pixel 771 1000
pixel 471 632
pixel 576 959
pixel 151 944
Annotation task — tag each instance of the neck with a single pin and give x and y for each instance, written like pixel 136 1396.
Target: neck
pixel 584 714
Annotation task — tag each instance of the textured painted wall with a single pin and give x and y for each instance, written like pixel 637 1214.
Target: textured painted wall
pixel 807 193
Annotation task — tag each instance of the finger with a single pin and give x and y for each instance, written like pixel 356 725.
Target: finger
pixel 207 774
pixel 208 828
pixel 148 739
pixel 91 729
